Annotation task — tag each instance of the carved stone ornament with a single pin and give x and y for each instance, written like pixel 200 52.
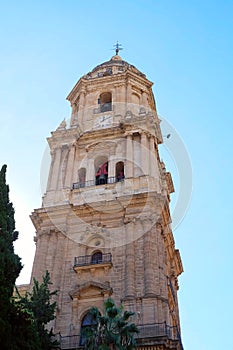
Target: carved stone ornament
pixel 62 126
pixel 90 289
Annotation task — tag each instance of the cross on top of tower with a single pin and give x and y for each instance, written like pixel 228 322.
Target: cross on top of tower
pixel 118 47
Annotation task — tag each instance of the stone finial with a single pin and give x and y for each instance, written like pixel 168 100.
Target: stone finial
pixel 62 126
pixel 116 58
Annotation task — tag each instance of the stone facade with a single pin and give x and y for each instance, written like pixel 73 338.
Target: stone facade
pixel 104 228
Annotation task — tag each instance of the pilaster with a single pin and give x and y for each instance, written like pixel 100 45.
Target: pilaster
pixel 129 264
pixel 69 168
pixel 144 154
pixel 149 260
pixel 129 156
pixel 55 169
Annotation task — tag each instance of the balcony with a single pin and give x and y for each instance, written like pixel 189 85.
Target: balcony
pixel 89 260
pixel 92 262
pixel 103 195
pixel 155 332
pixel 149 335
pixel 109 180
pixel 103 107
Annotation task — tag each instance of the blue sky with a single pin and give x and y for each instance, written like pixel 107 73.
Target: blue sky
pixel 186 49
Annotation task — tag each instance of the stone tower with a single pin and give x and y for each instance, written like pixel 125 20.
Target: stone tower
pixel 104 228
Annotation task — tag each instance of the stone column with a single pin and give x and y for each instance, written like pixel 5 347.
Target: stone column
pixel 74 114
pixel 41 256
pixel 51 252
pixel 159 230
pixel 74 109
pixel 55 169
pixel 129 93
pixel 36 266
pixel 120 108
pixel 129 157
pixel 155 246
pixel 144 99
pixel 90 174
pixel 129 264
pixel 52 155
pixel 144 154
pixel 81 105
pixel 70 166
pixel 149 263
pixel 63 165
pixel 127 99
pixel 115 95
pixel 152 157
pixel 111 170
pixel 154 170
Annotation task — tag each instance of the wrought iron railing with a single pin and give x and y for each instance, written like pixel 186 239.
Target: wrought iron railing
pixel 69 342
pixel 103 107
pixel 86 260
pixel 158 330
pixel 155 330
pixel 97 182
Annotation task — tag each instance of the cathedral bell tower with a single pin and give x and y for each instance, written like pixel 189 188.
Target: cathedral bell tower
pixel 104 228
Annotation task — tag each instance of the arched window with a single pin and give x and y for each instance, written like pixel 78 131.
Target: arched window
pixel 135 98
pixel 82 177
pixel 87 322
pixel 97 258
pixel 120 173
pixel 101 170
pixel 105 101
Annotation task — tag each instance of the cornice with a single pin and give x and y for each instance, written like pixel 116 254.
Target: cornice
pixel 123 78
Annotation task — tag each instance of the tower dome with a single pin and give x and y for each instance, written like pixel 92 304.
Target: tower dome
pixel 118 88
pixel 114 66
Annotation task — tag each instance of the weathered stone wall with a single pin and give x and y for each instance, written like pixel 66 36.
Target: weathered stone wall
pixel 129 219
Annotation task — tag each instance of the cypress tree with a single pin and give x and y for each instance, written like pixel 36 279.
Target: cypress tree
pixel 10 265
pixel 22 319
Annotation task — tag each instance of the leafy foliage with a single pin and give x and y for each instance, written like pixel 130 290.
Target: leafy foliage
pixel 24 332
pixel 38 303
pixel 10 265
pixel 112 331
pixel 22 319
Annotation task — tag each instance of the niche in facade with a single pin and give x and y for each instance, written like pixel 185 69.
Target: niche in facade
pixel 101 170
pixel 120 172
pixel 97 258
pixel 82 177
pixel 105 102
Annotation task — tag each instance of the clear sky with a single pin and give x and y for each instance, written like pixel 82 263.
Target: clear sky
pixel 186 49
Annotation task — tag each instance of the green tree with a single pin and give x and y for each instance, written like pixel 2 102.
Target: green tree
pixel 112 331
pixel 39 304
pixel 22 320
pixel 10 265
pixel 24 332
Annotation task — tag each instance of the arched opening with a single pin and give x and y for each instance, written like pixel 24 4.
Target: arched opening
pixel 101 170
pixel 135 98
pixel 88 321
pixel 82 177
pixel 120 171
pixel 97 258
pixel 105 101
